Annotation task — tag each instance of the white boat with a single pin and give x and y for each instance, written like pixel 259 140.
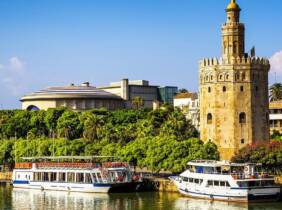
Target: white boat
pixel 54 173
pixel 223 180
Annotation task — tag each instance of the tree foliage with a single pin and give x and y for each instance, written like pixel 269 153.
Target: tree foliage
pixel 156 139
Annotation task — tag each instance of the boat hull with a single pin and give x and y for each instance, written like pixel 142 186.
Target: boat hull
pixel 262 195
pixel 77 187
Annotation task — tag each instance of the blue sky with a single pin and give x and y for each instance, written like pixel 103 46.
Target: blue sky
pixel 57 42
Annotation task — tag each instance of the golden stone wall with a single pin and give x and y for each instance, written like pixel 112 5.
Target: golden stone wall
pixel 227 89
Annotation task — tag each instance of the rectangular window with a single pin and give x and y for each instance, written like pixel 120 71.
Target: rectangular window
pixel 185 179
pixel 45 177
pixel 196 181
pixel 62 177
pixel 191 180
pixel 222 184
pixel 71 177
pixel 88 178
pixel 79 177
pixel 94 178
pixel 210 183
pixel 99 177
pixel 53 176
pixel 227 184
pixel 216 183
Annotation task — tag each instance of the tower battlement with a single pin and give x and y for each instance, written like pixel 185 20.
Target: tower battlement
pixel 209 62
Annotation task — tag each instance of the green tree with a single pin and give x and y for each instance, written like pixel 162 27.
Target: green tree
pixel 137 102
pixel 69 126
pixel 276 92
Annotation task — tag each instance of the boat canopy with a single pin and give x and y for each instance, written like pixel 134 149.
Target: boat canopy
pixel 214 163
pixel 57 158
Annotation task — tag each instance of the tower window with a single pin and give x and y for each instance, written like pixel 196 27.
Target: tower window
pixel 211 77
pixel 242 88
pixel 227 77
pixel 209 89
pixel 242 117
pixel 224 89
pixel 209 118
pixel 242 141
pixel 220 77
pixel 243 76
pixel 256 88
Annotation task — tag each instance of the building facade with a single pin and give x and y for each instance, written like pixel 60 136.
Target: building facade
pixel 129 89
pixel 189 104
pixel 75 97
pixel 275 116
pixel 234 92
pixel 167 93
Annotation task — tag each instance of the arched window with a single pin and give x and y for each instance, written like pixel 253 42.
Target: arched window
pixel 224 89
pixel 220 77
pixel 227 77
pixel 209 118
pixel 242 117
pixel 209 89
pixel 211 78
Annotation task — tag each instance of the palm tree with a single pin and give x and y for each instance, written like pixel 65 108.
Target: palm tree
pixel 276 92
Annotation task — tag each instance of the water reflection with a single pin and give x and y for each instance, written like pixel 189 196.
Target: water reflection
pixel 197 204
pixel 36 199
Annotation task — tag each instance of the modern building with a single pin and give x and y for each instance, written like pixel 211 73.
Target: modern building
pixel 129 89
pixel 234 91
pixel 275 116
pixel 76 97
pixel 167 93
pixel 190 106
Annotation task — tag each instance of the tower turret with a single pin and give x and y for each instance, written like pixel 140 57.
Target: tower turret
pixel 233 33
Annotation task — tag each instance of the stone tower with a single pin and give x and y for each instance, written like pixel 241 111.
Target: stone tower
pixel 234 91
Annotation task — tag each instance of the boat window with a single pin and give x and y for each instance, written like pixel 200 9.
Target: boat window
pixel 71 177
pixel 79 177
pixel 191 180
pixel 185 179
pixel 210 182
pixel 222 184
pixel 53 176
pixel 94 178
pixel 88 178
pixel 62 177
pixel 216 183
pixel 99 177
pixel 45 176
pixel 196 181
pixel 227 184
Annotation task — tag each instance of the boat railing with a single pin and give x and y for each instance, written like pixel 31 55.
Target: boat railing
pixel 67 165
pixel 256 175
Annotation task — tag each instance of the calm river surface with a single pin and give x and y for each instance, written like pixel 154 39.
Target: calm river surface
pixel 34 199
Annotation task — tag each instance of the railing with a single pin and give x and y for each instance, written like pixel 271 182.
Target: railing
pixel 252 176
pixel 66 165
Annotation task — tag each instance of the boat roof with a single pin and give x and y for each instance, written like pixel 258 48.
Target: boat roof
pixel 67 157
pixel 214 163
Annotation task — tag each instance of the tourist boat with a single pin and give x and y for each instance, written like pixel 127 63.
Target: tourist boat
pixel 223 180
pixel 78 174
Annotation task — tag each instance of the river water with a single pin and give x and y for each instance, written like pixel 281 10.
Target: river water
pixel 42 200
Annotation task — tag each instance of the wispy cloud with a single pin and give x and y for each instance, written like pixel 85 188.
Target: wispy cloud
pixel 276 62
pixel 12 75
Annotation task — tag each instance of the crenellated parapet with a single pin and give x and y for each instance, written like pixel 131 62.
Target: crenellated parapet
pixel 210 62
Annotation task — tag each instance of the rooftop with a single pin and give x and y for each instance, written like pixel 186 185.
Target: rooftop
pixel 193 96
pixel 85 90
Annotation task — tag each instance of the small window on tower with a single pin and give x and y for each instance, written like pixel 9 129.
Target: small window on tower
pixel 243 76
pixel 242 141
pixel 242 88
pixel 224 89
pixel 209 89
pixel 242 117
pixel 209 118
pixel 256 88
